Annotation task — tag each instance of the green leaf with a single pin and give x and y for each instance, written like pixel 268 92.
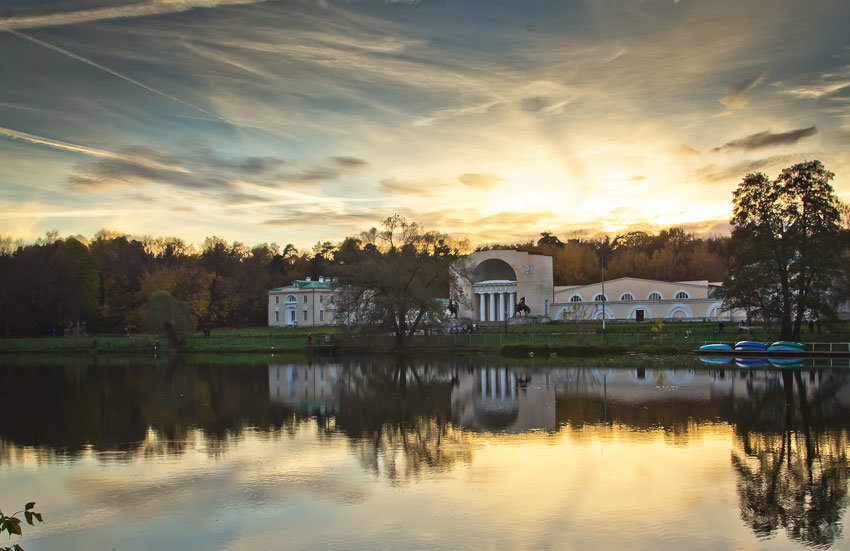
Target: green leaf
pixel 13 525
pixel 30 505
pixel 28 515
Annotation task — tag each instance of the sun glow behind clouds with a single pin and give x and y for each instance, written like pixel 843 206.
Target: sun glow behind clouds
pixel 305 122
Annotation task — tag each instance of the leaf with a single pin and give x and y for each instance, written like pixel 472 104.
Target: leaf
pixel 30 505
pixel 18 547
pixel 28 515
pixel 38 516
pixel 13 525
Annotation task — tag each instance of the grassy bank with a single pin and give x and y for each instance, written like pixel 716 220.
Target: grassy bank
pixel 574 339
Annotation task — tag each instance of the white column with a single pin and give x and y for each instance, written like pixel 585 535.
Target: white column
pixel 483 383
pixel 483 307
pixel 504 380
pixel 511 304
pixel 492 393
pixel 501 306
pixel 492 316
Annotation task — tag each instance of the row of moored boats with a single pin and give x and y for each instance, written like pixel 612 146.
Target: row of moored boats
pixel 753 346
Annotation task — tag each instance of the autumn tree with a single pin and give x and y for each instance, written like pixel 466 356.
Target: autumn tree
pixel 393 283
pixel 786 245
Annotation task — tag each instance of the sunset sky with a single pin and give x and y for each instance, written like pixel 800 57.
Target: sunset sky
pixel 300 121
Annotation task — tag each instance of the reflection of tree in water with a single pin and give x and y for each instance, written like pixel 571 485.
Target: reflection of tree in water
pixel 142 411
pixel 792 470
pixel 397 418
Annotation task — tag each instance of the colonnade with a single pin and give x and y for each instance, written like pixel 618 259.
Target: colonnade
pixel 494 304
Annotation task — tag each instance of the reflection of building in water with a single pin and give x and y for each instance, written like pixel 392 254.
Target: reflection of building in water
pixel 306 388
pixel 502 399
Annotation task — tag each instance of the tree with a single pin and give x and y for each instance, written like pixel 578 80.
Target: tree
pixel 393 283
pixel 785 245
pixel 12 524
pixel 166 314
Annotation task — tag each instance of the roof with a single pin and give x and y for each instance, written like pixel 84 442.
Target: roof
pixel 303 284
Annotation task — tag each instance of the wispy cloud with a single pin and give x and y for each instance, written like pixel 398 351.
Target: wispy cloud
pixel 736 96
pixel 136 9
pixel 479 181
pixel 767 139
pixel 57 144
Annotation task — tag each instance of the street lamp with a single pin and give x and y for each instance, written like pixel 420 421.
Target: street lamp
pixel 602 269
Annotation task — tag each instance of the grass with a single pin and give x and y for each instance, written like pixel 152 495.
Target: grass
pixel 578 338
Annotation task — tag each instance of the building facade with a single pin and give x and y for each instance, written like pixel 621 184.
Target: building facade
pixel 635 299
pixel 303 303
pixel 493 282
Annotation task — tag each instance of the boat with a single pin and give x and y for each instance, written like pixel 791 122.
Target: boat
pixel 716 347
pixel 750 346
pixel 789 346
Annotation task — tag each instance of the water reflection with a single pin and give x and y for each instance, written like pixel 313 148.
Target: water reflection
pixel 458 422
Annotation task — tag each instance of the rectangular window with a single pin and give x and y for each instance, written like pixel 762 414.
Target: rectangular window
pixel 305 298
pixel 321 315
pixel 276 317
pixel 321 298
pixel 332 299
pixel 305 315
pixel 292 316
pixel 277 300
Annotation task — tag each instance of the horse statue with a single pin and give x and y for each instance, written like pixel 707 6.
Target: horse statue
pixel 522 309
pixel 452 308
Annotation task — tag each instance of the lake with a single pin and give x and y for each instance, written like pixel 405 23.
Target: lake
pixel 434 453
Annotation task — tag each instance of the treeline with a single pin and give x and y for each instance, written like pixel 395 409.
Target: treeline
pixel 670 255
pixel 105 284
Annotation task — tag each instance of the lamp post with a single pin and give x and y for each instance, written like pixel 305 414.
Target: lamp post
pixel 602 269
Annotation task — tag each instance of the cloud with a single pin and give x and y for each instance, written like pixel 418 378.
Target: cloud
pixel 736 96
pixel 767 139
pixel 140 9
pixel 56 144
pixel 416 188
pixel 684 150
pixel 479 181
pixel 713 173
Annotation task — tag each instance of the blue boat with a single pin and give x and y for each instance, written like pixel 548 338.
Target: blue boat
pixel 750 346
pixel 788 362
pixel 716 347
pixel 789 346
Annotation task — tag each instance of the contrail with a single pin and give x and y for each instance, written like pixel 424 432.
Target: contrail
pixel 66 146
pixel 112 72
pixel 116 12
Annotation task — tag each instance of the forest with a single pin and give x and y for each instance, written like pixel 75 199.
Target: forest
pixel 104 284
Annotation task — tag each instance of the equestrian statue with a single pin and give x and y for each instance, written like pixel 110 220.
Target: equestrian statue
pixel 522 309
pixel 452 308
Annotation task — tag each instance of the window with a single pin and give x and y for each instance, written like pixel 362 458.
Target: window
pixel 321 315
pixel 276 316
pixel 682 294
pixel 599 298
pixel 305 299
pixel 654 296
pixel 292 316
pixel 332 299
pixel 291 298
pixel 575 298
pixel 627 296
pixel 305 313
pixel 321 298
pixel 277 300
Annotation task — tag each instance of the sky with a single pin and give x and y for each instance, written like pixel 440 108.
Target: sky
pixel 304 121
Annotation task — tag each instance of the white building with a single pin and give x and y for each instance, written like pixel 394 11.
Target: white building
pixel 303 303
pixel 497 280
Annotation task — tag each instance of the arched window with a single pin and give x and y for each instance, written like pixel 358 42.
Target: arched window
pixel 575 298
pixel 682 294
pixel 599 298
pixel 627 296
pixel 291 298
pixel 654 296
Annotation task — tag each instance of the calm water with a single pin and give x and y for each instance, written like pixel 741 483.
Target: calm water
pixel 449 453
